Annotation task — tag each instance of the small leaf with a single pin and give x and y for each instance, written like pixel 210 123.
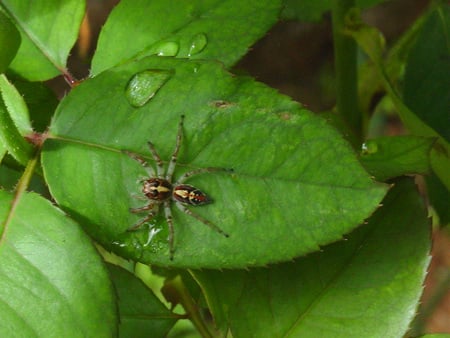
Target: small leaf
pixel 140 310
pixel 388 157
pixel 49 29
pixel 9 40
pixel 52 281
pixel 212 29
pixel 40 100
pixel 296 183
pixel 16 106
pixel 366 286
pixel 11 139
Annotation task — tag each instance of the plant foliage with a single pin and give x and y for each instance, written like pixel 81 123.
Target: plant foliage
pixel 327 237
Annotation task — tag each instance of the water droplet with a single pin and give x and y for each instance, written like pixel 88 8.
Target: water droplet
pixel 151 233
pixel 119 244
pixel 198 43
pixel 144 85
pixel 369 147
pixel 167 48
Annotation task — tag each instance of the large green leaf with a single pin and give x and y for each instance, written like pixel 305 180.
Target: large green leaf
pixel 49 29
pixel 367 286
pixel 296 183
pixel 211 29
pixel 52 281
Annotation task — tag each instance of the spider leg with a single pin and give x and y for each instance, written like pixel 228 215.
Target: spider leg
pixel 139 197
pixel 201 219
pixel 169 219
pixel 142 221
pixel 149 206
pixel 157 159
pixel 185 176
pixel 141 160
pixel 173 160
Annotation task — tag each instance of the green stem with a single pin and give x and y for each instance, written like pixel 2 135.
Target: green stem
pixel 346 72
pixel 21 187
pixel 190 306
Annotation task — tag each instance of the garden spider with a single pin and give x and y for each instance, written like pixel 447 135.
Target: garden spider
pixel 161 190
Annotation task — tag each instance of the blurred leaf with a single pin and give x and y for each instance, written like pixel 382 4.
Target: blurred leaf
pixel 371 41
pixel 426 82
pixel 140 310
pixel 304 10
pixel 52 282
pixel 366 286
pixel 427 92
pixel 211 29
pixel 49 29
pixel 294 176
pixel 9 40
pixel 389 157
pixel 439 196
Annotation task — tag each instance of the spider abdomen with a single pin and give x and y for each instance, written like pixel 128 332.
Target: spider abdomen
pixel 187 194
pixel 157 189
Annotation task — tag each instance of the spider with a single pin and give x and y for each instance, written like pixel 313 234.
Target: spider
pixel 161 190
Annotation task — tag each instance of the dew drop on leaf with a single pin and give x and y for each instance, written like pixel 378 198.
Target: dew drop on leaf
pixel 144 85
pixel 167 48
pixel 369 147
pixel 198 43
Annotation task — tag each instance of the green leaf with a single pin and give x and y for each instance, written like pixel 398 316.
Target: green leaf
pixel 9 40
pixel 212 29
pixel 140 310
pixel 427 86
pixel 366 286
pixel 389 157
pixel 40 99
pixel 296 183
pixel 371 41
pixel 439 196
pixel 11 139
pixel 16 106
pixel 426 82
pixel 52 281
pixel 49 29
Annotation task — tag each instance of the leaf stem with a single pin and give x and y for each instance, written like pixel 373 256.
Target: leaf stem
pixel 189 305
pixel 21 187
pixel 346 72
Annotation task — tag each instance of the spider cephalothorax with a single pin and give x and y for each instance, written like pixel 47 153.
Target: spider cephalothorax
pixel 160 189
